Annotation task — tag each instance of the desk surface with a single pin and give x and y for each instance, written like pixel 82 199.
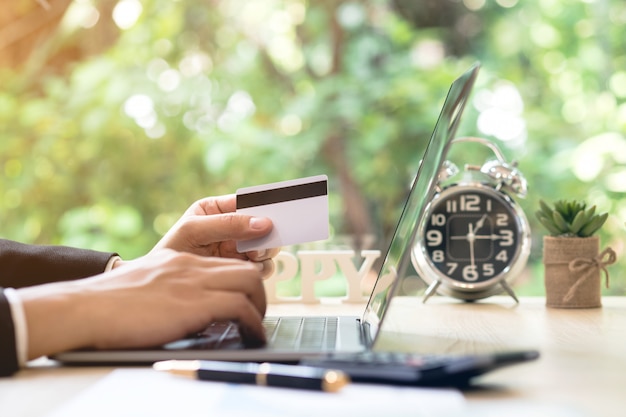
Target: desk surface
pixel 581 372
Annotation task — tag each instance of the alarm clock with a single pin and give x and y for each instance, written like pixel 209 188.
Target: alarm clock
pixel 474 238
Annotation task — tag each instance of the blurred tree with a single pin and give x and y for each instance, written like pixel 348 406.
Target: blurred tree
pixel 121 113
pixel 32 34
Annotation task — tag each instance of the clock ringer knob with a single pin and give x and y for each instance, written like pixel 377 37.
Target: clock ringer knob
pixel 507 175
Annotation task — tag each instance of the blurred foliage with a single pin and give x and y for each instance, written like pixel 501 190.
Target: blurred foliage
pixel 199 97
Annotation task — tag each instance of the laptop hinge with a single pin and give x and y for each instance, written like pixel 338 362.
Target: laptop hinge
pixel 366 336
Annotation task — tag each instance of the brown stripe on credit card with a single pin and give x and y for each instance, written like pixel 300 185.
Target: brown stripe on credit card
pixel 282 195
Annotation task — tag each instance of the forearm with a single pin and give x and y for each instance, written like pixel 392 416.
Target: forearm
pixel 60 316
pixel 148 302
pixel 57 317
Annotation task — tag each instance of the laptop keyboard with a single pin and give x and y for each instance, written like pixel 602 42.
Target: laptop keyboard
pixel 218 335
pixel 301 333
pixel 285 333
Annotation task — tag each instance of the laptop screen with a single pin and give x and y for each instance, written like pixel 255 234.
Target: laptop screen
pixel 398 256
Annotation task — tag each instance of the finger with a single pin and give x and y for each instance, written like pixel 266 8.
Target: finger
pixel 214 205
pixel 268 268
pixel 237 276
pixel 251 337
pixel 263 254
pixel 229 249
pixel 215 268
pixel 235 307
pixel 204 230
pixel 183 260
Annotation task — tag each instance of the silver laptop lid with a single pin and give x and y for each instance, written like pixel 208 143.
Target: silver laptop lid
pixel 397 259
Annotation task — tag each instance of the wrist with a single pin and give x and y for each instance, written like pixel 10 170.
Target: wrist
pixel 19 325
pixel 56 318
pixel 119 263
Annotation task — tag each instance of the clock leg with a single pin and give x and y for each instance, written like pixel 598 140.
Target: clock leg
pixel 509 290
pixel 432 288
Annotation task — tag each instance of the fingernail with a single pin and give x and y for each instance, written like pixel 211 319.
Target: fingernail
pixel 268 268
pixel 258 223
pixel 261 253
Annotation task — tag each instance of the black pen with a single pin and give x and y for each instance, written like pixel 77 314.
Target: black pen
pixel 266 374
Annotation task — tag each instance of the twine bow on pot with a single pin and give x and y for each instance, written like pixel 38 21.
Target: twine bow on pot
pixel 586 267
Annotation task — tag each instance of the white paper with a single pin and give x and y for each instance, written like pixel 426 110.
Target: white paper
pixel 144 392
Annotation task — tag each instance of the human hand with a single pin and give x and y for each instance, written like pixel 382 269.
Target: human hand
pixel 154 300
pixel 210 227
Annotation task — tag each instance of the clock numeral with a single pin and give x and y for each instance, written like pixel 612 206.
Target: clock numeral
pixel 438 219
pixel 502 256
pixel 438 256
pixel 506 239
pixel 502 219
pixel 469 202
pixel 434 237
pixel 451 267
pixel 470 273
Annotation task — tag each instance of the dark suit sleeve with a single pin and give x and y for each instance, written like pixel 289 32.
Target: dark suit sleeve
pixel 8 352
pixel 25 265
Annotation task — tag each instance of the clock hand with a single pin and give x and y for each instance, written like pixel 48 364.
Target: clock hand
pixel 471 237
pixel 472 231
pixel 491 237
pixel 480 223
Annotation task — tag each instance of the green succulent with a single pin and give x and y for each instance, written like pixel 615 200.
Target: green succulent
pixel 570 218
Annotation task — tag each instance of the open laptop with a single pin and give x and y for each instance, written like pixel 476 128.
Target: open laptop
pixel 291 339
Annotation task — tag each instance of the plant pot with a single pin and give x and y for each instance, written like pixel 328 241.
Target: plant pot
pixel 572 268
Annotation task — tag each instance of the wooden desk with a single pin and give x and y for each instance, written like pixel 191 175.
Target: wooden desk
pixel 582 367
pixel 581 372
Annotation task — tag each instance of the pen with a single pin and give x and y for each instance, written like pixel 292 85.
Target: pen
pixel 265 374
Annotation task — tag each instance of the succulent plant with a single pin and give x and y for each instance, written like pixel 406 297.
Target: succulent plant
pixel 570 218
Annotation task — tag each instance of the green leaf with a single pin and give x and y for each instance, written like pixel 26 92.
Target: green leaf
pixel 547 223
pixel 545 208
pixel 594 225
pixel 559 222
pixel 579 221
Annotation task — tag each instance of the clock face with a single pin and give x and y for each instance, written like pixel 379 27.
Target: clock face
pixel 472 235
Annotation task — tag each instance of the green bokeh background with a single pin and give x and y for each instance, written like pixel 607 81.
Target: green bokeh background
pixel 196 97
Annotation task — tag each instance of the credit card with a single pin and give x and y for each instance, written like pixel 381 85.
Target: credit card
pixel 298 208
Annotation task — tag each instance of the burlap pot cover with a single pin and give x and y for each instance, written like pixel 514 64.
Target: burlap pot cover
pixel 572 267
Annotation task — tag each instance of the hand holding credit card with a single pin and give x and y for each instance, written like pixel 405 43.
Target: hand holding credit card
pixel 298 209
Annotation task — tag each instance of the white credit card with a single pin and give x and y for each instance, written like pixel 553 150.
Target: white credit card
pixel 298 208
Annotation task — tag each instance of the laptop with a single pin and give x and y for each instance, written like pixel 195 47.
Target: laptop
pixel 292 339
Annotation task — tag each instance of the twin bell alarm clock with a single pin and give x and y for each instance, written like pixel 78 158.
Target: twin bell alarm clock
pixel 474 238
